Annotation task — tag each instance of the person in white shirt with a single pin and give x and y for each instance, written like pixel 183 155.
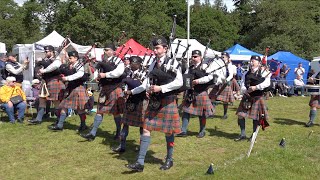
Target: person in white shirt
pixel 75 96
pixel 252 105
pixel 162 112
pixel 299 85
pixel 299 70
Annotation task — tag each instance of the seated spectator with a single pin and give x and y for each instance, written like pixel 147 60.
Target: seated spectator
pixel 8 91
pixel 34 96
pixel 299 85
pixel 283 85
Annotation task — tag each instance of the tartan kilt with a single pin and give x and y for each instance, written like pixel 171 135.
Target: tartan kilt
pixel 77 99
pixel 315 101
pixel 136 117
pixel 55 88
pixel 200 106
pixel 166 119
pixel 114 104
pixel 213 92
pixel 234 85
pixel 258 107
pixel 226 95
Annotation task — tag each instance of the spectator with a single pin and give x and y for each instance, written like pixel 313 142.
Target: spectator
pixel 299 85
pixel 35 92
pixel 6 93
pixel 310 73
pixel 283 85
pixel 285 70
pixel 3 60
pixel 299 70
pixel 239 72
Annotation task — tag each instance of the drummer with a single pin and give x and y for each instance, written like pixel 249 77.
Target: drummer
pixel 314 102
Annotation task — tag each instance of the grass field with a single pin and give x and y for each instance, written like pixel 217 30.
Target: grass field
pixel 34 152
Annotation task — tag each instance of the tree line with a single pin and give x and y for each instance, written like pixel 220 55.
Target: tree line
pixel 283 25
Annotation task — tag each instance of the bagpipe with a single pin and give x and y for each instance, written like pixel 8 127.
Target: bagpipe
pixel 104 67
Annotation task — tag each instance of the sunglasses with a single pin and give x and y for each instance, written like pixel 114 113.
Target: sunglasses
pixel 195 56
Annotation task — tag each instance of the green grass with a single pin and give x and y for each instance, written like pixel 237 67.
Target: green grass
pixel 34 152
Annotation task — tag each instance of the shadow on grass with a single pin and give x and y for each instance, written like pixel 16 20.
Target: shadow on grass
pixel 285 121
pixel 216 132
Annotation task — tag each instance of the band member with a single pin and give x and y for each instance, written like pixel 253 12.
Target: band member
pixel 162 112
pixel 51 77
pixel 75 96
pixel 199 103
pixel 314 102
pixel 252 104
pixel 225 93
pixel 110 97
pixel 134 111
pixel 14 68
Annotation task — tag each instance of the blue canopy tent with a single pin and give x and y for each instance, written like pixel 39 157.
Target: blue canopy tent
pixel 240 53
pixel 292 61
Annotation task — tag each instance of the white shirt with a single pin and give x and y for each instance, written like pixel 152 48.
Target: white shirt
pixel 53 66
pixel 175 84
pixel 298 82
pixel 12 70
pixel 118 71
pixel 299 71
pixel 266 83
pixel 78 74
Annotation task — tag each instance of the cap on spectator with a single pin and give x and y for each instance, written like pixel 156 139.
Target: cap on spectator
pixel 35 81
pixel 10 79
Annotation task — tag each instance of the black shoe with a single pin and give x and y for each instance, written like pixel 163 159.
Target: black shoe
pixel 20 121
pixel 34 121
pixel 309 124
pixel 118 150
pixel 201 134
pixel 55 128
pixel 167 165
pixel 88 136
pixel 182 134
pixel 82 128
pixel 135 167
pixel 240 138
pixel 224 117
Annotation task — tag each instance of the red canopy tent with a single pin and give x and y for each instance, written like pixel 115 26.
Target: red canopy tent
pixel 136 49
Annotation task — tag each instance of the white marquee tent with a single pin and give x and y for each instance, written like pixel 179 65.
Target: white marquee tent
pixel 195 45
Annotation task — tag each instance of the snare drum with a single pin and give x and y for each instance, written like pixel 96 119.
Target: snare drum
pixel 313 89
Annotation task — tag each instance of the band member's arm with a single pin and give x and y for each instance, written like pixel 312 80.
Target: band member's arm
pixel 53 66
pixel 265 83
pixel 230 69
pixel 76 75
pixel 175 84
pixel 140 88
pixel 204 79
pixel 12 70
pixel 116 72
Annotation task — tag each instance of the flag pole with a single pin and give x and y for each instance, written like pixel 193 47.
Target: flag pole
pixel 188 29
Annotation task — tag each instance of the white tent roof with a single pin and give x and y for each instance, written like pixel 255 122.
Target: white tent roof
pixel 54 39
pixel 96 52
pixel 2 47
pixel 195 45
